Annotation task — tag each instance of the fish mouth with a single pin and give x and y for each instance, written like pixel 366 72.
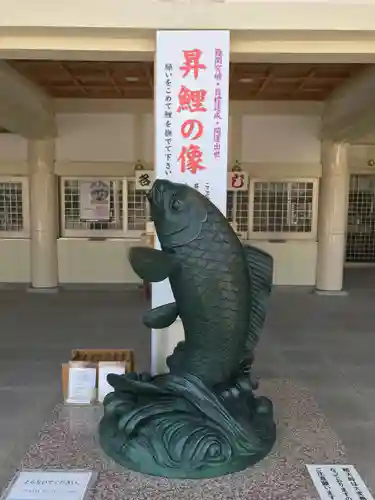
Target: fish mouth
pixel 149 195
pixel 156 194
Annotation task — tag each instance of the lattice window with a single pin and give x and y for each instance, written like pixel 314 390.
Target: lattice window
pixel 283 209
pixel 128 210
pixel 138 208
pixel 14 208
pixel 238 211
pixel 360 239
pixel 74 225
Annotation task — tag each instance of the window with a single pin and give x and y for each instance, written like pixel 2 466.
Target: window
pixel 14 208
pixel 138 208
pixel 126 215
pixel 360 238
pixel 238 211
pixel 284 209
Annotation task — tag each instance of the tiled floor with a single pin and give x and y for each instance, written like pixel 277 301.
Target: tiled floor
pixel 37 334
pixel 326 344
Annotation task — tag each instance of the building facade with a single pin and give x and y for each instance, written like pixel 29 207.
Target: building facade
pixel 309 157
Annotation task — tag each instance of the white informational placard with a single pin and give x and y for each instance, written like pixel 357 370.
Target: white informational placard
pixel 94 199
pixel 191 120
pixel 81 385
pixel 238 181
pixel 48 485
pixel 104 369
pixel 338 482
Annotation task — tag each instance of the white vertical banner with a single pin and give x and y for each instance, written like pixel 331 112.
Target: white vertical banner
pixel 191 110
pixel 191 117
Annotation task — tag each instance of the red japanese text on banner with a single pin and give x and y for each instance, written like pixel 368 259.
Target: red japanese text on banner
pixel 191 110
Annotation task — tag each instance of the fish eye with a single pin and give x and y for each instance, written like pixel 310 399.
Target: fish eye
pixel 176 204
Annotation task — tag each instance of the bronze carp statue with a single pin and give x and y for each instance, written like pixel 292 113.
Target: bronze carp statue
pixel 202 418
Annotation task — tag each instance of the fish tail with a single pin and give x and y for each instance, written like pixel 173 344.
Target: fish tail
pixel 260 265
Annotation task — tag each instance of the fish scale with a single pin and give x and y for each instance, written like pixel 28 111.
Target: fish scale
pixel 212 281
pixel 220 286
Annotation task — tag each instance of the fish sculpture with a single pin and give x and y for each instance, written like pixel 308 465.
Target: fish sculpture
pixel 202 418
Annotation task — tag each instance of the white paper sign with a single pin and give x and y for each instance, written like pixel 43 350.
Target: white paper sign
pixel 238 181
pixel 338 482
pixel 56 485
pixel 191 110
pixel 81 386
pixel 104 369
pixel 94 198
pixel 144 179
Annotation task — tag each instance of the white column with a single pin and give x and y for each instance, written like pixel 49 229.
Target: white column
pixel 333 209
pixel 163 343
pixel 43 212
pixel 170 47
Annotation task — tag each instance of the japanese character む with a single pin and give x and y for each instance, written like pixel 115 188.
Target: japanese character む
pixel 238 180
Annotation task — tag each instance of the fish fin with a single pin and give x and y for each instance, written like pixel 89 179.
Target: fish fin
pixel 260 265
pixel 161 317
pixel 150 264
pixel 176 358
pixel 131 382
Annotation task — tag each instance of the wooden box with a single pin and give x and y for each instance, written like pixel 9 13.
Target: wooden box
pixel 92 357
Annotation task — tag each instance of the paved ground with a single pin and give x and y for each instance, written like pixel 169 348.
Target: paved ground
pixel 324 343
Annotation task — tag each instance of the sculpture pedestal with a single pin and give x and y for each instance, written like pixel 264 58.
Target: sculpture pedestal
pixel 68 441
pixel 177 427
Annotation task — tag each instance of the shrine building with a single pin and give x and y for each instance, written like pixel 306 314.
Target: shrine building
pixel 76 100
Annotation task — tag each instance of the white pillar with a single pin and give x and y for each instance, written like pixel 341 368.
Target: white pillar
pixel 163 343
pixel 332 220
pixel 43 212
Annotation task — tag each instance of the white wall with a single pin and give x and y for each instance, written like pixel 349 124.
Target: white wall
pixel 359 158
pixel 95 137
pixel 85 261
pixel 13 148
pixel 280 139
pixel 269 144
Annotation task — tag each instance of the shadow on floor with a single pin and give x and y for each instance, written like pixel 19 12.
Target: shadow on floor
pixel 359 278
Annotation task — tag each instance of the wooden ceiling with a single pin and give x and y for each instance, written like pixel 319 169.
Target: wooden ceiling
pixel 134 80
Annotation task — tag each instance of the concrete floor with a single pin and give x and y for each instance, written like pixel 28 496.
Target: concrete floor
pixel 326 344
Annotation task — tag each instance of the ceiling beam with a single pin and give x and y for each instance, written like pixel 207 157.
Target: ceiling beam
pixel 175 14
pixel 24 108
pixel 348 115
pixel 276 46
